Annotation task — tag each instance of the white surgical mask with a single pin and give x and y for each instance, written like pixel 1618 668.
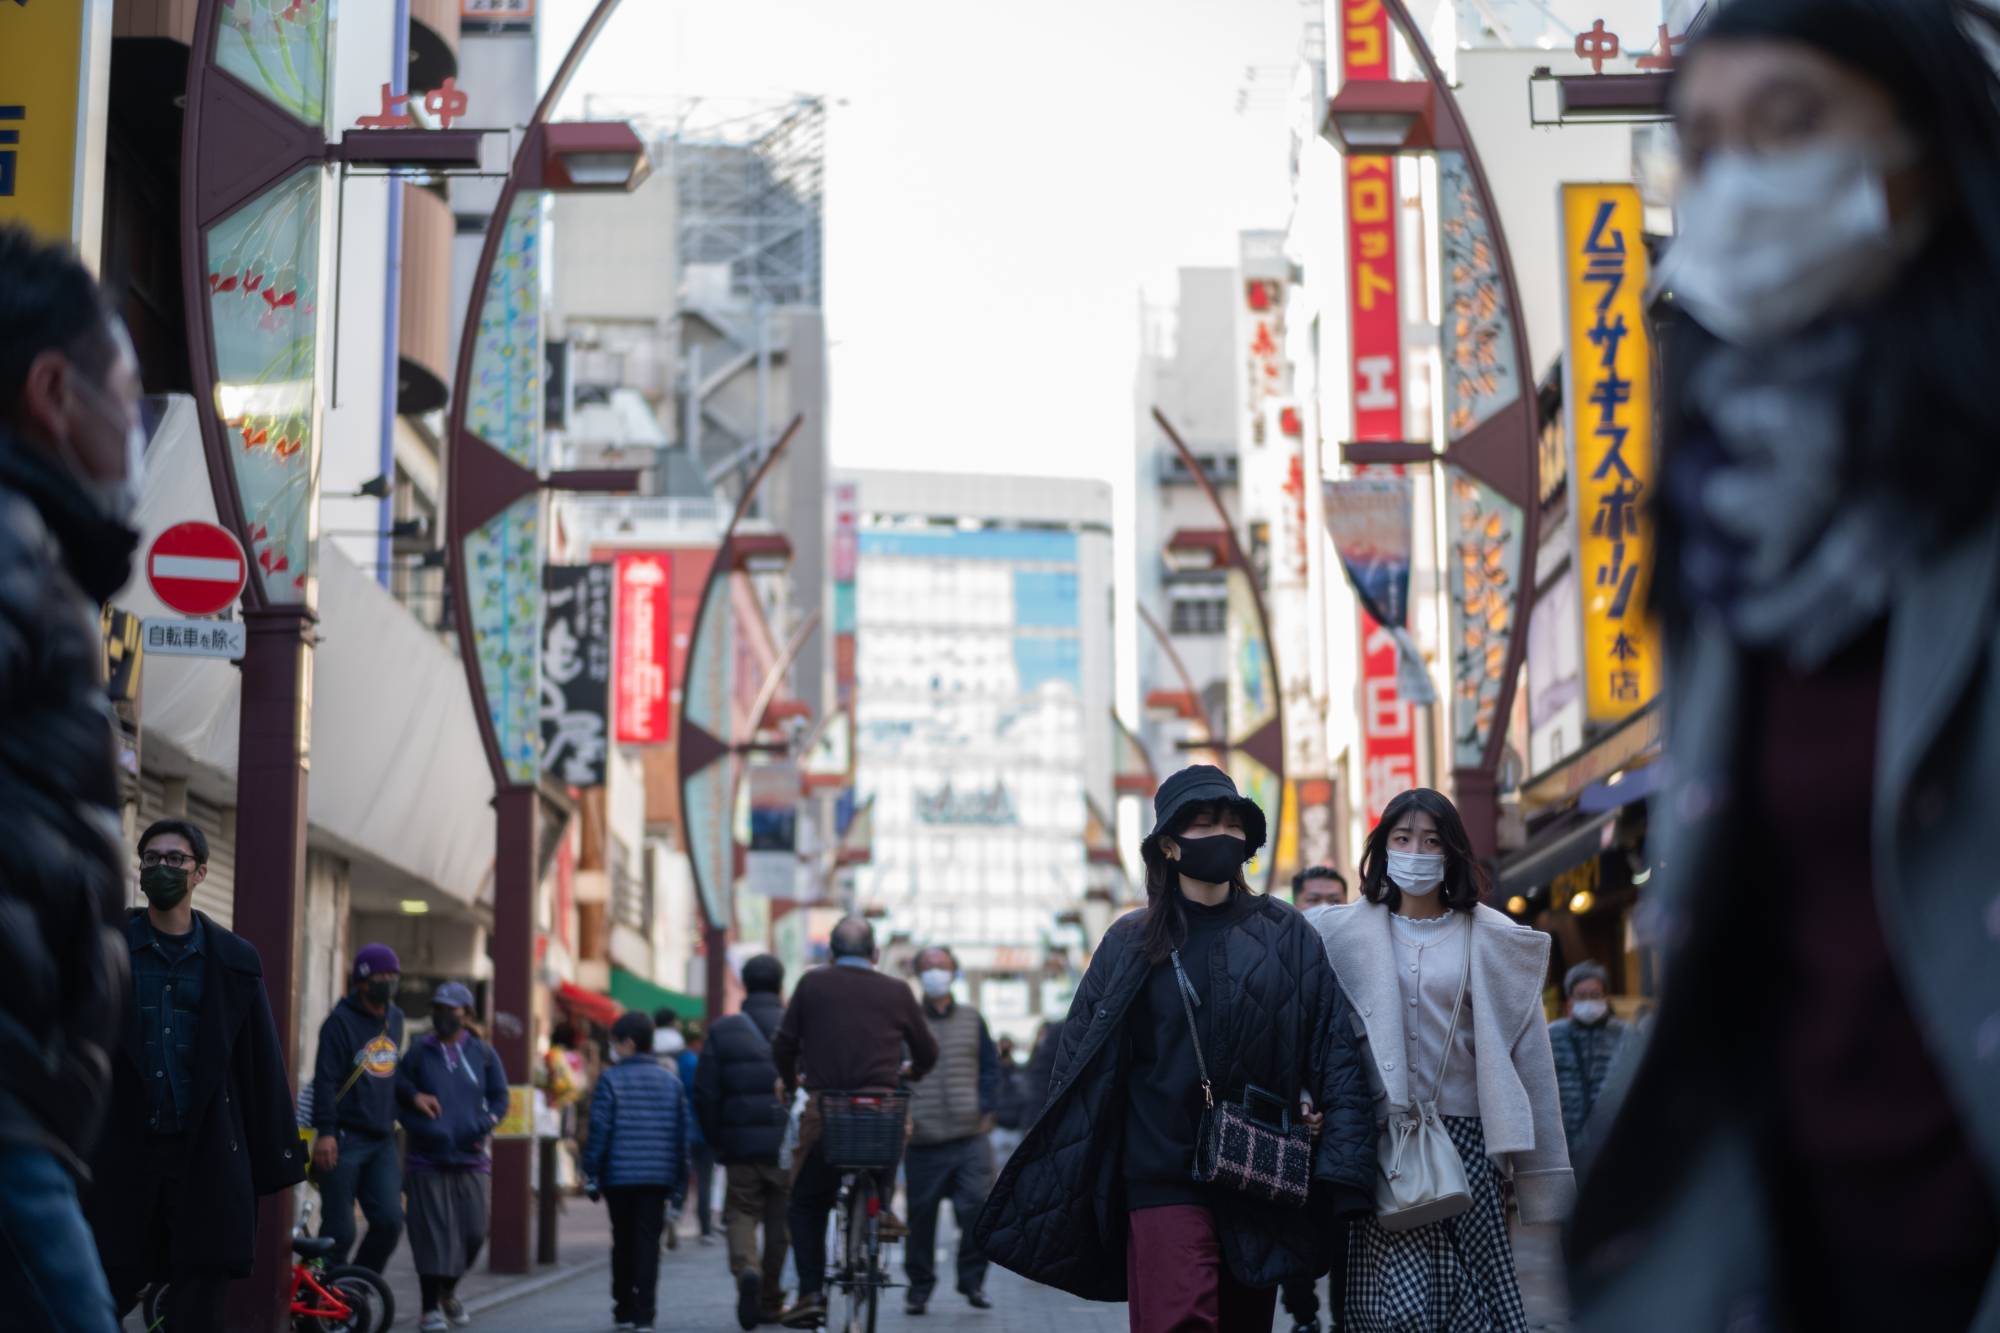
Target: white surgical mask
pixel 936 981
pixel 1417 873
pixel 115 500
pixel 1589 1012
pixel 1766 245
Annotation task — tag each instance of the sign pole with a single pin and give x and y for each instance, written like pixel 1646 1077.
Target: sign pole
pixel 515 816
pixel 271 766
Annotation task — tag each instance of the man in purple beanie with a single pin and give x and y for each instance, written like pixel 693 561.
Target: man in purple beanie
pixel 354 1110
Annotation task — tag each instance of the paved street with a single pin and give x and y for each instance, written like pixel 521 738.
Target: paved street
pixel 695 1294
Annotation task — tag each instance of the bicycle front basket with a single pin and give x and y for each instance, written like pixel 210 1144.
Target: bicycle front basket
pixel 862 1132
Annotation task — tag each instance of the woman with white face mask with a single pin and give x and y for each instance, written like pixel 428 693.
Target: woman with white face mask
pixel 1449 996
pixel 1828 580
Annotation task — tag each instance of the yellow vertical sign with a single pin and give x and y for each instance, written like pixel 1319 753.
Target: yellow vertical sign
pixel 42 71
pixel 1608 398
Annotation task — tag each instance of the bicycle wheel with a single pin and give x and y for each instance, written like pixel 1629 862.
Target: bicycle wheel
pixel 358 1294
pixel 380 1297
pixel 867 1248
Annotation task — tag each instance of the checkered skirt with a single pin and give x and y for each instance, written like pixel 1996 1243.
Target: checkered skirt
pixel 1455 1276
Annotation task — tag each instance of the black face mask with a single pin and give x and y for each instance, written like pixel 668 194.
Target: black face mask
pixel 446 1023
pixel 382 990
pixel 164 886
pixel 1214 859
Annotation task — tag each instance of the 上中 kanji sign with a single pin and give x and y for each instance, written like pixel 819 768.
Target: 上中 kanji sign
pixel 196 568
pixel 446 103
pixel 1608 397
pixel 1375 357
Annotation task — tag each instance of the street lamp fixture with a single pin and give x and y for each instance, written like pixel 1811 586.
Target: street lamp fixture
pixel 759 552
pixel 584 157
pixel 1373 117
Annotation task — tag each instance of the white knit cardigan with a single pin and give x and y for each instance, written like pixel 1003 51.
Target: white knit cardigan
pixel 1520 1110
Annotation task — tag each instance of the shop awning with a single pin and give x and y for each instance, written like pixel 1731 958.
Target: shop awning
pixel 1541 863
pixel 599 1009
pixel 635 992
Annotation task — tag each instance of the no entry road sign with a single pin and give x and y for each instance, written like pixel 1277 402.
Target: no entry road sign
pixel 196 568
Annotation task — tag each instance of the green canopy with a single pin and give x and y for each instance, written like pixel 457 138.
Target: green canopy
pixel 635 992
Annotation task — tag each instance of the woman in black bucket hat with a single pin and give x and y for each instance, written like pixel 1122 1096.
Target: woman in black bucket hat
pixel 1101 1197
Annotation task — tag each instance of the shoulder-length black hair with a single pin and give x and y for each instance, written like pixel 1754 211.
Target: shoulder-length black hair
pixel 1465 880
pixel 1166 918
pixel 1924 408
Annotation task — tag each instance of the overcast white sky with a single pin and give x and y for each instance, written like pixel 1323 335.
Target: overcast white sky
pixel 1002 180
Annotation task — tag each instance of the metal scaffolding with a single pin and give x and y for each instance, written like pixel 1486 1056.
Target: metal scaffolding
pixel 749 179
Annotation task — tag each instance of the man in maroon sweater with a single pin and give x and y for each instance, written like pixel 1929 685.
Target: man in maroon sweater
pixel 846 1030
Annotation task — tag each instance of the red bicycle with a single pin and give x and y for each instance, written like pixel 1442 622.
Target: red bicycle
pixel 343 1299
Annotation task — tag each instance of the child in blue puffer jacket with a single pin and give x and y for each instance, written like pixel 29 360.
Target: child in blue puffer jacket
pixel 637 1159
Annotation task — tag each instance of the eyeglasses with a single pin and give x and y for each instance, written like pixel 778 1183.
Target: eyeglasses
pixel 171 860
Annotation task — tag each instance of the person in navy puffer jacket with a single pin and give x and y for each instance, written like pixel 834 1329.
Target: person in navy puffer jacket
pixel 448 1174
pixel 637 1159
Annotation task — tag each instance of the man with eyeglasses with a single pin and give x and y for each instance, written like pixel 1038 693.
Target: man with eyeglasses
pixel 201 1121
pixel 69 451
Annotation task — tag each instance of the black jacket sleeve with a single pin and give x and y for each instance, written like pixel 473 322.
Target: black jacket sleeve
pixel 336 1057
pixel 785 1046
pixel 1083 1007
pixel 707 1094
pixel 1344 1161
pixel 270 1124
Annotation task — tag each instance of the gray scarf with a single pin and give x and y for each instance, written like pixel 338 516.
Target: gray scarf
pixel 1816 563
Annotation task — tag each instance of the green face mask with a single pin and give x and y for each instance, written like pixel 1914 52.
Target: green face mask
pixel 164 886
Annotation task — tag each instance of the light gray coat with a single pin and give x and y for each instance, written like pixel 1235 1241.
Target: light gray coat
pixel 1703 1260
pixel 1520 1109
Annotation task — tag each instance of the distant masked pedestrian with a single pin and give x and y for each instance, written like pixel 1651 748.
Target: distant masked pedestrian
pixel 736 1103
pixel 949 1156
pixel 1587 1043
pixel 1213 996
pixel 1317 886
pixel 637 1162
pixel 201 1123
pixel 1450 993
pixel 355 1095
pixel 70 451
pixel 1812 1137
pixel 449 1164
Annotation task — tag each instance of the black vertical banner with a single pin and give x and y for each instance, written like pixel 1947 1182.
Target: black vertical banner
pixel 576 673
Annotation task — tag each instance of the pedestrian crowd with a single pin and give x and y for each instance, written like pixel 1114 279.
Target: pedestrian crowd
pixel 1247 1096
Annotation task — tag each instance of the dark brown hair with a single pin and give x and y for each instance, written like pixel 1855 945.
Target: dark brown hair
pixel 1465 879
pixel 1166 917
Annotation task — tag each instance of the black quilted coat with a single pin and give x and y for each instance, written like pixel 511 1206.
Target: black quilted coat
pixel 1057 1214
pixel 62 865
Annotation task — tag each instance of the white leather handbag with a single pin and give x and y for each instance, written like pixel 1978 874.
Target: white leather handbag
pixel 1419 1176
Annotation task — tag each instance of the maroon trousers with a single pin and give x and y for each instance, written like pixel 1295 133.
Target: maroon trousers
pixel 1178 1281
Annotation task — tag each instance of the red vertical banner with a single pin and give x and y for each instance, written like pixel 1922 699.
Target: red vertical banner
pixel 1375 355
pixel 642 673
pixel 1388 726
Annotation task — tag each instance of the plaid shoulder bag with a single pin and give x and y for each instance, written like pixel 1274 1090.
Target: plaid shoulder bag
pixel 1267 1156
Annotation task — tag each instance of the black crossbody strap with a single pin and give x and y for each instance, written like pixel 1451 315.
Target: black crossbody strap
pixel 1187 993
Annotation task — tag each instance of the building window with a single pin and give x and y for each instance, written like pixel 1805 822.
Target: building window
pixel 1199 616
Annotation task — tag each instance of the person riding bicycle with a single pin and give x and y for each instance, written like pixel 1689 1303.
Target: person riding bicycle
pixel 845 1030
